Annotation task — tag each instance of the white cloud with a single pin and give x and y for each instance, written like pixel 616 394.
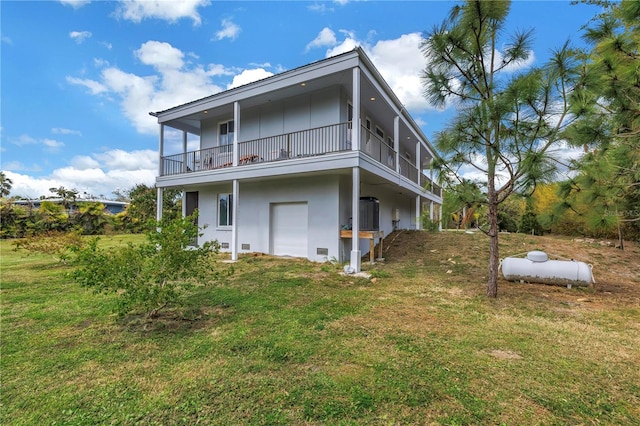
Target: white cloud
pixel 347 45
pixel 173 83
pixel 95 87
pixel 76 4
pixel 249 76
pixel 160 55
pixel 24 140
pixel 80 36
pixel 63 131
pixel 326 37
pixel 400 62
pixel 229 30
pixel 320 8
pixel 83 162
pixel 172 11
pixel 118 159
pixel 52 145
pixel 96 174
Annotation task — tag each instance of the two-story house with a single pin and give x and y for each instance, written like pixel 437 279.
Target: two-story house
pixel 307 163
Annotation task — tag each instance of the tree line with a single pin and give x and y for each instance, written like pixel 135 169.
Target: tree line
pixel 64 211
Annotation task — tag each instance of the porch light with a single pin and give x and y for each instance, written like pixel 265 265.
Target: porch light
pixel 373 99
pixel 206 111
pixel 303 84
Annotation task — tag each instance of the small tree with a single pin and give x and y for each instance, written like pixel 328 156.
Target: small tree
pixel 152 275
pixel 143 203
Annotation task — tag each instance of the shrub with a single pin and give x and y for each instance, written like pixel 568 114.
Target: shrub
pixel 152 275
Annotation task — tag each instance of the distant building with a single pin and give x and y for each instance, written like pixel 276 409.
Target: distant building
pixel 110 207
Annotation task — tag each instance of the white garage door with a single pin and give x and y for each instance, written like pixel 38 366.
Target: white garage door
pixel 289 229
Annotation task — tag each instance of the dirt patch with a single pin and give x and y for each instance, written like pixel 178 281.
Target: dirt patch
pixel 465 256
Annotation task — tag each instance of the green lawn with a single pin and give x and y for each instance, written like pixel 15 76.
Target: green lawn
pixel 293 342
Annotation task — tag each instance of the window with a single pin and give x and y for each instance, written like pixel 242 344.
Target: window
pixel 225 135
pixel 225 209
pixel 380 132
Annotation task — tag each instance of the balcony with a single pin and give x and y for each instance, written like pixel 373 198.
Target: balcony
pixel 306 143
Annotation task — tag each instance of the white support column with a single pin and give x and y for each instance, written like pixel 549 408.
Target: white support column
pixel 440 217
pixel 418 161
pixel 418 213
pixel 159 204
pixel 355 124
pixel 184 152
pixel 234 216
pixel 355 221
pixel 160 150
pixel 236 131
pixel 396 140
pixel 431 211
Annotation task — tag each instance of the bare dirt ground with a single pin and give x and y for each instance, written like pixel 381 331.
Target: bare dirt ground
pixel 461 255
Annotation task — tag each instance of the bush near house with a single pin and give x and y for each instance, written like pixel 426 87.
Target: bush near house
pixel 149 276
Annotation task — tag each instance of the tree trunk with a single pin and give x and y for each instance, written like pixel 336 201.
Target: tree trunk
pixel 620 238
pixel 494 255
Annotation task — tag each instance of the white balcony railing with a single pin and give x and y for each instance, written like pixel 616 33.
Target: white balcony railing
pixel 294 145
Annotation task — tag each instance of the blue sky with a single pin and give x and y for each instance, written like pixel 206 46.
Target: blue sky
pixel 78 78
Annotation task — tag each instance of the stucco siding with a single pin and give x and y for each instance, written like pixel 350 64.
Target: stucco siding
pixel 254 206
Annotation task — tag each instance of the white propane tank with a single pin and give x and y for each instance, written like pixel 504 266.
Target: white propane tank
pixel 537 268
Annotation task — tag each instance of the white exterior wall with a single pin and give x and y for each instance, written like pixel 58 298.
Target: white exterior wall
pixel 254 207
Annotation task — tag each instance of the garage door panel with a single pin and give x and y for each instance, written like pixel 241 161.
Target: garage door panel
pixel 289 229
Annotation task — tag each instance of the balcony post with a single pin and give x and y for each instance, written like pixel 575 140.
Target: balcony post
pixel 236 131
pixel 418 162
pixel 355 123
pixel 184 152
pixel 159 193
pixel 234 217
pixel 396 138
pixel 418 213
pixel 161 150
pixel 355 221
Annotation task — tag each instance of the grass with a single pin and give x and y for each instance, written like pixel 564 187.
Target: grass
pixel 294 342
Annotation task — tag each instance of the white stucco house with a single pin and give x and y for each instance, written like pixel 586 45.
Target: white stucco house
pixel 296 163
